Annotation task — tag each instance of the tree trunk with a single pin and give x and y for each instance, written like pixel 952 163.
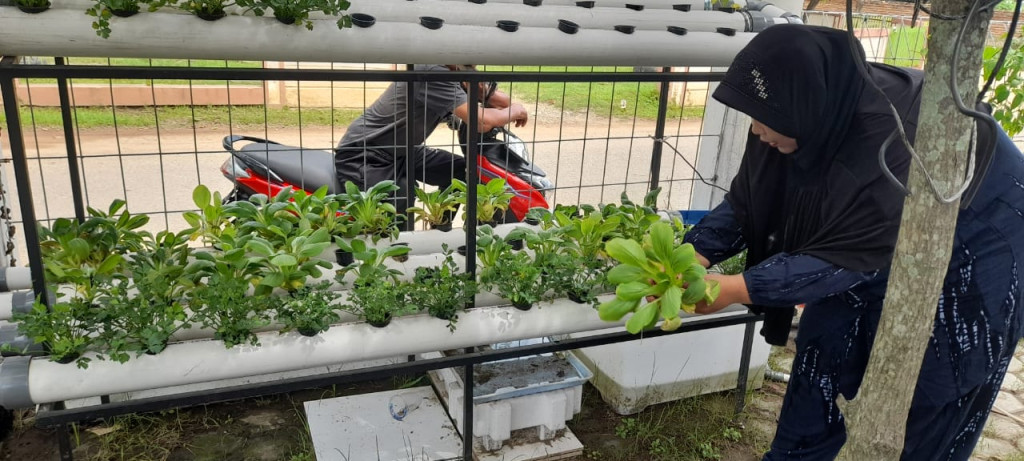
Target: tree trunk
pixel 876 418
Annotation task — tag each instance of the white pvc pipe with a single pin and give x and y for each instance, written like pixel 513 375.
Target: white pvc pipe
pixel 648 4
pixel 18 278
pixel 426 242
pixel 159 35
pixel 588 18
pixel 201 361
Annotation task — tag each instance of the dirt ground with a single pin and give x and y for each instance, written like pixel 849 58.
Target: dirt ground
pixel 273 429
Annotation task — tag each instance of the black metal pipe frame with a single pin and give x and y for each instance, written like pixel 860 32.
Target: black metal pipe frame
pixel 410 173
pixel 55 417
pixel 744 372
pixel 21 176
pixel 659 130
pixel 69 144
pixel 472 177
pixel 61 417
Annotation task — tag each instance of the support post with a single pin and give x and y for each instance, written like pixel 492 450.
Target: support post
pixel 69 144
pixel 24 183
pixel 659 130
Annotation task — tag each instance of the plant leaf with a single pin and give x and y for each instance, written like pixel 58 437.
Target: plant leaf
pixel 632 291
pixel 662 239
pixel 671 302
pixel 695 292
pixel 624 274
pixel 626 252
pixel 284 260
pixel 643 318
pixel 614 310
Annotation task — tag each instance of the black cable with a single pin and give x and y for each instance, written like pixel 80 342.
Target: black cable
pixel 695 170
pixel 1007 44
pixel 979 172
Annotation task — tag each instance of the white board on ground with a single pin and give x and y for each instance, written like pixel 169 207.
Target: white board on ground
pixel 361 427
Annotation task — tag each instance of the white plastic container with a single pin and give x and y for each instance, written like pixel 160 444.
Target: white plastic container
pixel 636 374
pixel 541 392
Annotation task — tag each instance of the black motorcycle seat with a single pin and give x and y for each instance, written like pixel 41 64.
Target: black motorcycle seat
pixel 308 169
pixel 513 163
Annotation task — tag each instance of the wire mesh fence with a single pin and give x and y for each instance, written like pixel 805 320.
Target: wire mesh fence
pixel 150 141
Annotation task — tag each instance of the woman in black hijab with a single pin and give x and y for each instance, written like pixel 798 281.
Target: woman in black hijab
pixel 819 220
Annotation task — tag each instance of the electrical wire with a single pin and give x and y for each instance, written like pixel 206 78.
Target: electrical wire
pixel 1007 44
pixel 862 69
pixel 695 170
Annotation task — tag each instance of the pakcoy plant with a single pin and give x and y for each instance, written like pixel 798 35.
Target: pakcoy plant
pixel 322 210
pixel 376 295
pixel 210 223
pixel 635 219
pixel 310 310
pixel 491 198
pixel 88 255
pixel 371 212
pixel 272 219
pixel 443 290
pixel 660 269
pixel 490 246
pixel 289 266
pixel 438 206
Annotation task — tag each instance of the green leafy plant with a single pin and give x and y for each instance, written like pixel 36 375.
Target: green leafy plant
pixel 272 219
pixel 439 206
pixel 103 10
pixel 221 299
pixel 65 329
pixel 371 212
pixel 297 11
pixel 378 300
pixel 291 265
pixel 210 223
pixel 490 198
pixel 489 246
pixel 309 310
pixel 586 236
pixel 223 303
pixel 323 211
pixel 658 268
pixel 442 290
pixel 516 278
pixel 368 261
pixel 1008 88
pixel 147 309
pixel 33 4
pixel 734 265
pixel 635 218
pixel 206 9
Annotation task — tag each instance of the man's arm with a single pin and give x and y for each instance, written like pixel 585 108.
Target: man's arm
pixel 490 118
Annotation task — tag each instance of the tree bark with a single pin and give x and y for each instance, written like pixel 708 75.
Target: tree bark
pixel 876 418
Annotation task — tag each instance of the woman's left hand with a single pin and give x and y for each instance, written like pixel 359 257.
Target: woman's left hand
pixel 733 290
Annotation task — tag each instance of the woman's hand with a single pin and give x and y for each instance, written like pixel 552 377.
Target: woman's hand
pixel 733 291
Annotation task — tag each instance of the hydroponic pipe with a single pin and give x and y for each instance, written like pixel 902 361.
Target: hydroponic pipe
pixel 162 35
pixel 648 4
pixel 15 278
pixel 15 303
pixel 16 343
pixel 202 361
pixel 592 18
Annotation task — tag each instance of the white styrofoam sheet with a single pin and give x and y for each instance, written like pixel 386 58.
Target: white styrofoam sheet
pixel 565 446
pixel 360 427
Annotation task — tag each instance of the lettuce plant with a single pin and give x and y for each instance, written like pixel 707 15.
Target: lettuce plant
pixel 658 268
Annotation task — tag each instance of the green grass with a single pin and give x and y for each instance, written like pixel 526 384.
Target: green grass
pixel 600 97
pixel 139 62
pixel 1006 5
pixel 906 46
pixel 182 117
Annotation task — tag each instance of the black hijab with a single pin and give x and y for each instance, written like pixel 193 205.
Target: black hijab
pixel 829 198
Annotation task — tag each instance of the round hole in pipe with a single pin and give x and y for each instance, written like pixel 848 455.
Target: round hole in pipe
pixel 568 26
pixel 431 22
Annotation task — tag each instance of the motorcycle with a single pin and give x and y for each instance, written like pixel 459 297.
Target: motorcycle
pixel 266 167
